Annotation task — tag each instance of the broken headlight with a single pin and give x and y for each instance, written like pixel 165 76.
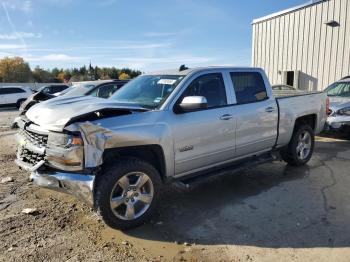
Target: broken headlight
pixel 65 151
pixel 64 140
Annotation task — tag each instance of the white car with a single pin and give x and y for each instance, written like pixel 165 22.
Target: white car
pixel 13 95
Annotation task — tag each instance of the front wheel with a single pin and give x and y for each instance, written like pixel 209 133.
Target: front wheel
pixel 127 193
pixel 301 146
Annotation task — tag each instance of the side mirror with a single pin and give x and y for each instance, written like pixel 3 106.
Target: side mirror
pixel 191 103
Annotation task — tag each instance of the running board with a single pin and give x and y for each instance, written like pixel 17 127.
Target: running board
pixel 247 163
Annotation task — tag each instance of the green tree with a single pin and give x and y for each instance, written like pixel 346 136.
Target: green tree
pixel 124 76
pixel 15 70
pixel 41 76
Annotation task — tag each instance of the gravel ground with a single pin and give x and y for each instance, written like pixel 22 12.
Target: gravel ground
pixel 270 213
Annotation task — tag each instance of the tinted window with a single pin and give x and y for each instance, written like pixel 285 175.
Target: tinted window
pixel 249 87
pixel 3 91
pixel 47 90
pixel 11 90
pixel 56 89
pixel 211 86
pixel 104 91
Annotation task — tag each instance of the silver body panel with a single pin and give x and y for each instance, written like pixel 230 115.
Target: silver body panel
pixel 190 142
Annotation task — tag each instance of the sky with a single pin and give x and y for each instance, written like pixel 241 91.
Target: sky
pixel 145 35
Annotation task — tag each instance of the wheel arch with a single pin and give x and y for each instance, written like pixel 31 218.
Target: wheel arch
pixel 309 120
pixel 153 154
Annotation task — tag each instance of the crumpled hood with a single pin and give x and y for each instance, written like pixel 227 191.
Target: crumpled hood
pixel 337 103
pixel 54 114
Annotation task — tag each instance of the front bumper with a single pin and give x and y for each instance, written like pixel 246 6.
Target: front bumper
pixel 77 184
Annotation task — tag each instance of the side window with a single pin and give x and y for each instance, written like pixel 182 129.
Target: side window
pixel 211 86
pixel 47 90
pixel 19 90
pixel 104 91
pixel 56 89
pixel 249 87
pixel 4 91
pixel 14 90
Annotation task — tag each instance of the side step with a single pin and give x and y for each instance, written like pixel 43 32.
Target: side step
pixel 247 163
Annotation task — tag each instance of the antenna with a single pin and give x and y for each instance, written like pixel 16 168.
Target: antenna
pixel 182 68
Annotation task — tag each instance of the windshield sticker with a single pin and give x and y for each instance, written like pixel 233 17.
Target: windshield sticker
pixel 157 100
pixel 166 82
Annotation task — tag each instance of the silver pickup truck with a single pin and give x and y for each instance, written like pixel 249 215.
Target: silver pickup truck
pixel 165 126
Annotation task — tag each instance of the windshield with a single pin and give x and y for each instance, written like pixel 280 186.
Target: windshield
pixel 78 90
pixel 339 89
pixel 148 91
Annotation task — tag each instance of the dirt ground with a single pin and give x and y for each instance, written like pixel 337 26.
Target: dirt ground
pixel 270 213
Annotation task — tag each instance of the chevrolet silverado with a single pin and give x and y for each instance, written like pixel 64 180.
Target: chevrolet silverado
pixel 172 125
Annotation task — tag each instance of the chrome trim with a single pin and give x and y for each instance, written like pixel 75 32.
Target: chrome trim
pixel 29 145
pixel 77 184
pixel 29 167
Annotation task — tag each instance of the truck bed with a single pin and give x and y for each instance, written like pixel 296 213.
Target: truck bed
pixel 295 104
pixel 291 93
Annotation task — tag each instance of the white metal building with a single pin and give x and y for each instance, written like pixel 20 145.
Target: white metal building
pixel 307 46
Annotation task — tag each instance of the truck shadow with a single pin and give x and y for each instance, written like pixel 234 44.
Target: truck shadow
pixel 273 205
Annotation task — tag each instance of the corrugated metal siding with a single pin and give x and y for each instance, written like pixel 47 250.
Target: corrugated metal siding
pixel 301 41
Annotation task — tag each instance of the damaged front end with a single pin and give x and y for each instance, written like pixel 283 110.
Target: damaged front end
pixel 69 159
pixel 55 161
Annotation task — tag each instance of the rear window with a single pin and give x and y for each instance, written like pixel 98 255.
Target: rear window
pixel 249 87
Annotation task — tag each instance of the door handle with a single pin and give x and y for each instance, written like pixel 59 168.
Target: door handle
pixel 226 117
pixel 270 109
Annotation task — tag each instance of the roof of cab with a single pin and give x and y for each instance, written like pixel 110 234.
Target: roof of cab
pixel 197 69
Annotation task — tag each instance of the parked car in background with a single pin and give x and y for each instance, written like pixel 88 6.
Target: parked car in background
pixel 52 89
pixel 339 98
pixel 100 88
pixel 43 93
pixel 14 96
pixel 173 125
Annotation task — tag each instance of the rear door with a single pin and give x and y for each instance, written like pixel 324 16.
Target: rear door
pixel 206 137
pixel 256 113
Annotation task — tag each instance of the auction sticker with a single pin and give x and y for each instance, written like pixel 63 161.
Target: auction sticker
pixel 166 81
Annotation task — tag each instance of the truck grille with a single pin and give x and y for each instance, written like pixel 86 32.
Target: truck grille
pixel 29 157
pixel 36 139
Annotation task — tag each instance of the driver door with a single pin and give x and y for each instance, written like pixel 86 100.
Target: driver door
pixel 206 137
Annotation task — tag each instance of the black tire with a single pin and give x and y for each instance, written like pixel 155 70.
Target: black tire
pixel 105 185
pixel 290 153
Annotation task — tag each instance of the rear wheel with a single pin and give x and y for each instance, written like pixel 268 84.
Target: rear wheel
pixel 301 146
pixel 127 193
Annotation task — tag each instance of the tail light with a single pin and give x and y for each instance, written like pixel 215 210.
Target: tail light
pixel 328 111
